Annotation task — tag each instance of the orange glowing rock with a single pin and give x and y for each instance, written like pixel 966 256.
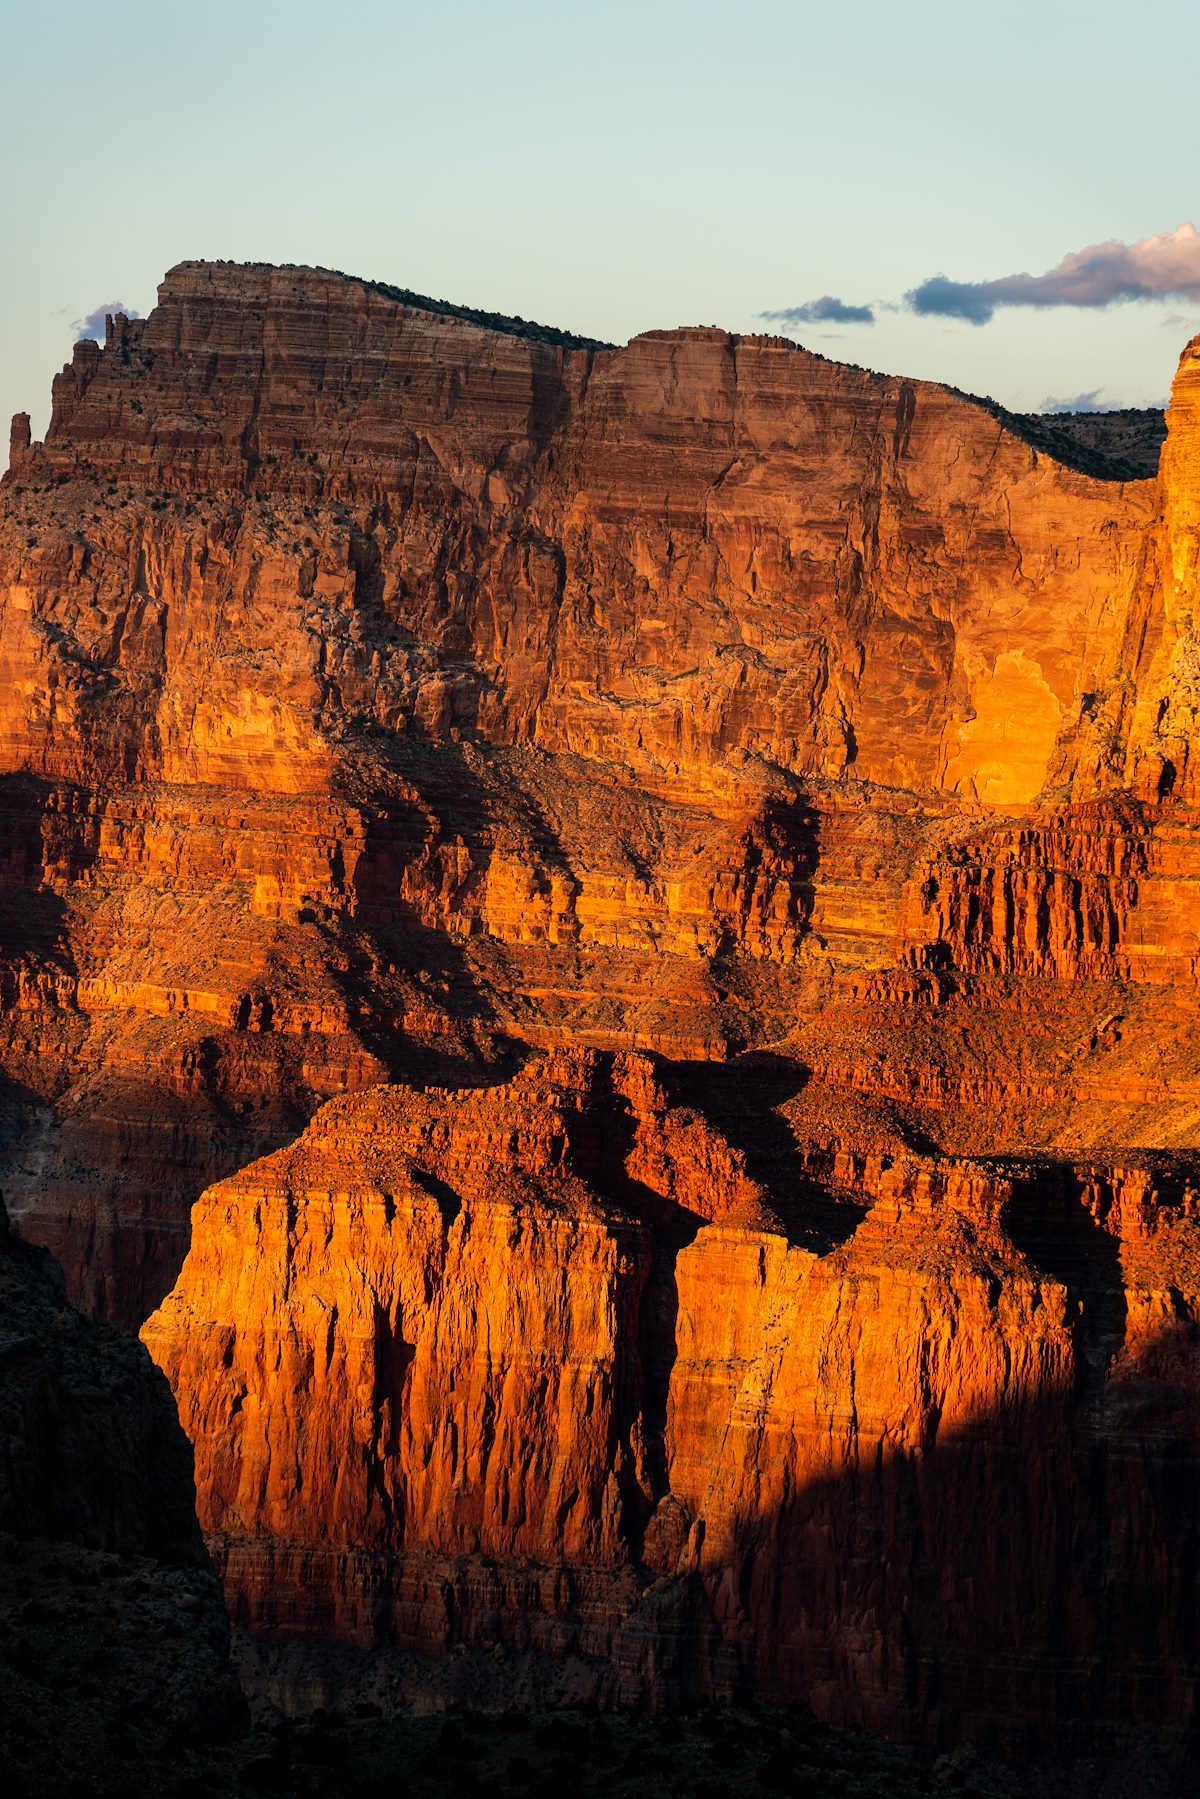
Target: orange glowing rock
pixel 540 1364
pixel 718 828
pixel 328 620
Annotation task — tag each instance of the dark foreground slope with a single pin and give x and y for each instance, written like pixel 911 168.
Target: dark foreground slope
pixel 90 1446
pixel 113 1639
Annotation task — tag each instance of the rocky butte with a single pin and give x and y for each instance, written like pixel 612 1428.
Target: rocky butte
pixel 644 903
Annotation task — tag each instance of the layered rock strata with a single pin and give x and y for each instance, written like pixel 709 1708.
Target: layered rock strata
pixel 543 1367
pixel 329 511
pixel 386 694
pixel 364 666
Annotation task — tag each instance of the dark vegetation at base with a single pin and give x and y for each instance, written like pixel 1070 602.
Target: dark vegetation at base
pixel 110 1689
pixel 114 1685
pixel 709 1754
pixel 114 1674
pixel 82 1742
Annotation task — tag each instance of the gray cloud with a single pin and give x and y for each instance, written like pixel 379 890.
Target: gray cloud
pixel 1157 268
pixel 1089 402
pixel 828 310
pixel 93 324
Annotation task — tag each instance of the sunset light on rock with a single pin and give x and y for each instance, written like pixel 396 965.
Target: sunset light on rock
pixel 600 905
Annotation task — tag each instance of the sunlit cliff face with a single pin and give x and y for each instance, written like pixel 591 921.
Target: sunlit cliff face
pixel 864 1447
pixel 717 827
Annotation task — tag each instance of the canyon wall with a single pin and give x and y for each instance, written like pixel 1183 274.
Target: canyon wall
pixel 544 1367
pixel 696 548
pixel 379 688
pixel 707 836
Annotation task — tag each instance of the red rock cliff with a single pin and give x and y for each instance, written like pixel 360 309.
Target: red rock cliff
pixel 386 694
pixel 696 546
pixel 328 621
pixel 541 1365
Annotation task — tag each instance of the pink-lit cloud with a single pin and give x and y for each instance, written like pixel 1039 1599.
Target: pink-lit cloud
pixel 1165 266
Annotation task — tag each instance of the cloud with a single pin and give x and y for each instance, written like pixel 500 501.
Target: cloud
pixel 828 310
pixel 1166 266
pixel 93 324
pixel 1089 402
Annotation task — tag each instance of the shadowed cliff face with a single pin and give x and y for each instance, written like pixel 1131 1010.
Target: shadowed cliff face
pixel 387 702
pixel 109 1608
pixel 90 1448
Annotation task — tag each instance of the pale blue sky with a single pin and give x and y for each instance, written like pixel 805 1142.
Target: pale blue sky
pixel 611 168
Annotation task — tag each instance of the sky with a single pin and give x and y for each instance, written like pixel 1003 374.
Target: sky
pixel 619 167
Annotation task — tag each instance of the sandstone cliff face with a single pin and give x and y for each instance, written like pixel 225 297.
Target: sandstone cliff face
pixel 539 1365
pixel 384 698
pixel 459 1247
pixel 1158 756
pixel 692 547
pixel 363 668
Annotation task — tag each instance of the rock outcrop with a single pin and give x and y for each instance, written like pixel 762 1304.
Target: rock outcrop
pixel 542 1366
pixel 798 762
pixel 378 685
pixel 691 548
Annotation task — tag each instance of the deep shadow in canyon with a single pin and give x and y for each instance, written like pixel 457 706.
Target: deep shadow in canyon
pixel 1026 1586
